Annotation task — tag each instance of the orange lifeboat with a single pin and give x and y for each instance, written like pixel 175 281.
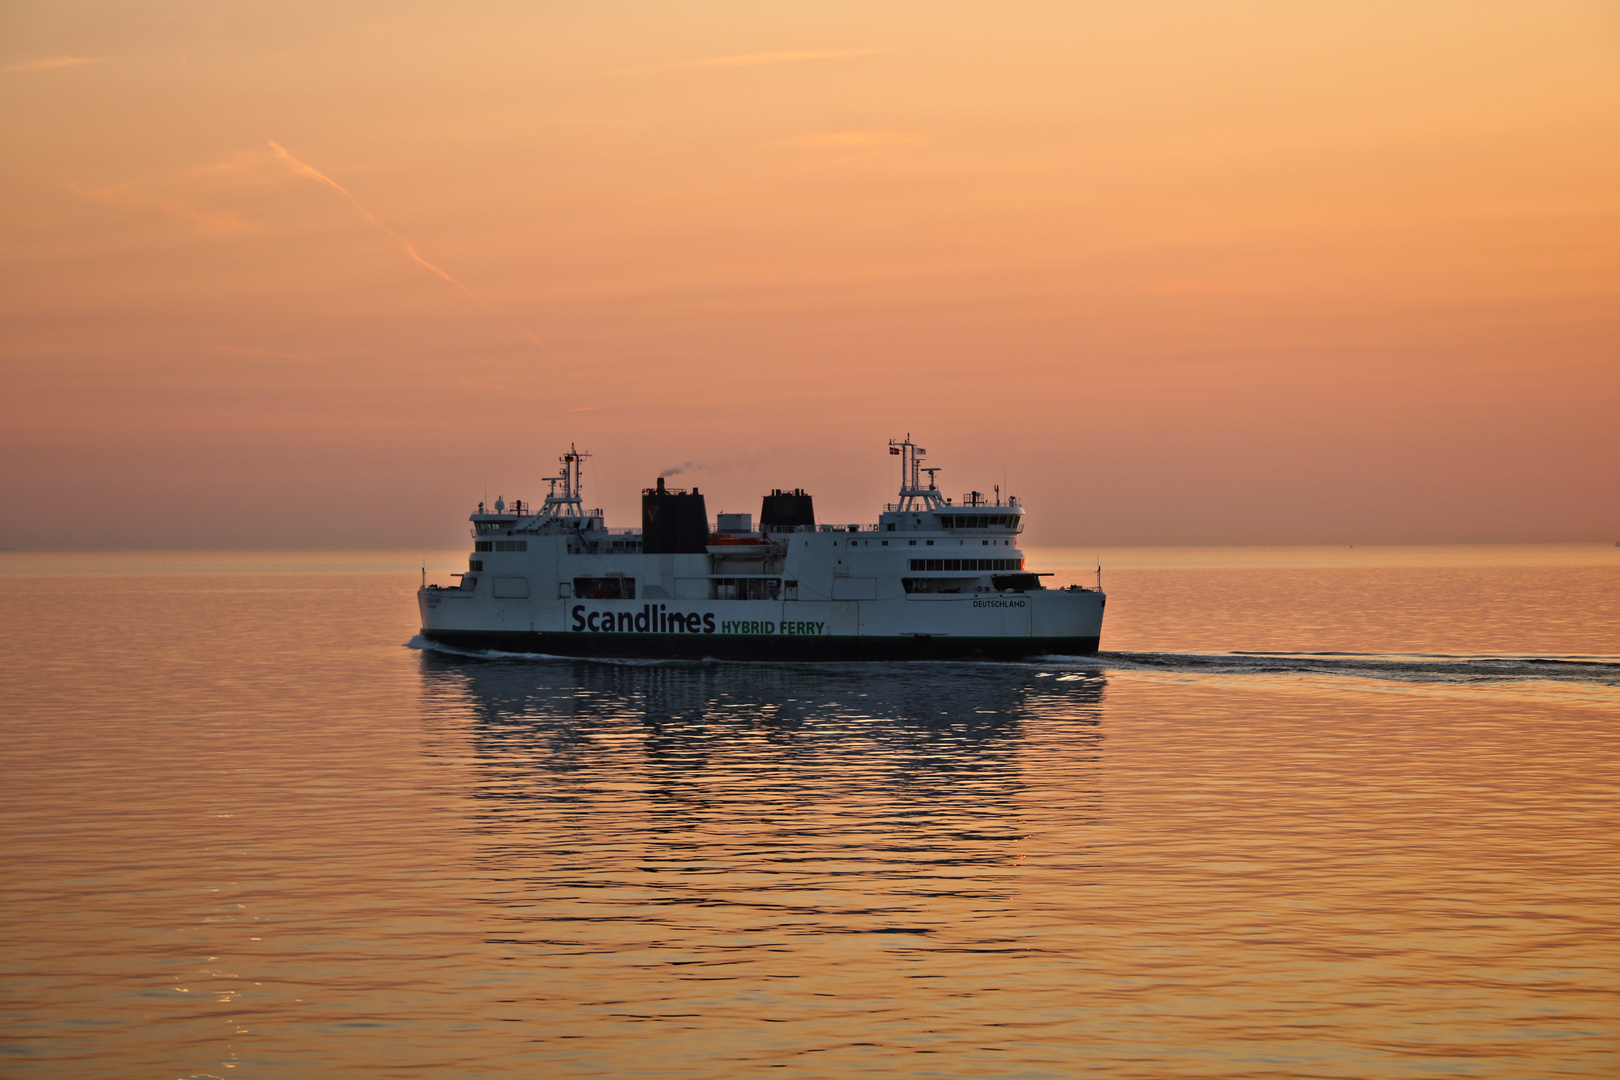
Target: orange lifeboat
pixel 740 547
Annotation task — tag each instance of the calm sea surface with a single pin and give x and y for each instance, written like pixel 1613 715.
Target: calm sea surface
pixel 1315 813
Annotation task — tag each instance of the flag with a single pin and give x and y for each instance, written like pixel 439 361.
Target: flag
pixel 894 449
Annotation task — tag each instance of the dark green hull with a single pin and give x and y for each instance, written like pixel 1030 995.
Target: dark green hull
pixel 762 647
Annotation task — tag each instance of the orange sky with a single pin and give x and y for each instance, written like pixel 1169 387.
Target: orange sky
pixel 314 274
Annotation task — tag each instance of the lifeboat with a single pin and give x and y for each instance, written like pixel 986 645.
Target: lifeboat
pixel 740 547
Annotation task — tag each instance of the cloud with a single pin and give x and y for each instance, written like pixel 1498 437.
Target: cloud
pixel 508 391
pixel 131 197
pixel 192 195
pixel 746 60
pixel 853 140
pixel 44 63
pixel 250 353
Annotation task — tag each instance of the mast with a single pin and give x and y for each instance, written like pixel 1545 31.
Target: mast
pixel 913 496
pixel 569 503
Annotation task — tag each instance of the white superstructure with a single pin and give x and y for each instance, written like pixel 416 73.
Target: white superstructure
pixel 929 579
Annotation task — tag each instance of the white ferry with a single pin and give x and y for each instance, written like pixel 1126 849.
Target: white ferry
pixel 929 580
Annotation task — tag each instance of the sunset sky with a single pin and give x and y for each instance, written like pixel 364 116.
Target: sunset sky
pixel 323 274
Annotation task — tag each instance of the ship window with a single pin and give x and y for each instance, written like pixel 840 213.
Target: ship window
pixel 930 543
pixel 511 545
pixel 885 543
pixel 934 585
pixel 483 545
pixel 752 589
pixel 605 588
pixel 475 564
pixel 913 543
pixel 984 541
pixel 891 526
pixel 1016 582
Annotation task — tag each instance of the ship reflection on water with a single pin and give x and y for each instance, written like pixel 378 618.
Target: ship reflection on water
pixel 927 740
pixel 623 807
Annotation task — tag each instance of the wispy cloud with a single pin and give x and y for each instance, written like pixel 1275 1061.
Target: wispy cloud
pixel 852 140
pixel 132 197
pixel 250 353
pixel 747 60
pixel 45 63
pixel 507 391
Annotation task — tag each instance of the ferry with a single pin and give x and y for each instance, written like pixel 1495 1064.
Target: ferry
pixel 932 579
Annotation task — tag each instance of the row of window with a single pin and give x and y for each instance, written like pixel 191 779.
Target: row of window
pixel 967 564
pixel 978 521
pixel 743 588
pixel 632 546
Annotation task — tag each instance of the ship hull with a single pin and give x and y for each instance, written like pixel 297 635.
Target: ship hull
pixel 693 647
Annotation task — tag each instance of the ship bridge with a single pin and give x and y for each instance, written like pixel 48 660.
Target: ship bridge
pixel 925 509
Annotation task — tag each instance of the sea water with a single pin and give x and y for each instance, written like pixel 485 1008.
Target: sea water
pixel 1338 813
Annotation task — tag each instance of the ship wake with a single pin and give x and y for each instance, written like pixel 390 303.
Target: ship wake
pixel 1398 667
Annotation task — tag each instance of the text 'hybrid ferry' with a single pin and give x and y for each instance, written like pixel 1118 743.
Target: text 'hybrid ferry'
pixel 930 580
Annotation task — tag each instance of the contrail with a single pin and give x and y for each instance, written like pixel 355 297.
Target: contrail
pixel 314 174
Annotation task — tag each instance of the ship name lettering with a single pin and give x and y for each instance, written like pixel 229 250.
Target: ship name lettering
pixel 791 628
pixel 651 619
